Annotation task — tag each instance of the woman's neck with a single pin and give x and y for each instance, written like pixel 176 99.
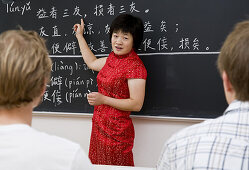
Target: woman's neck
pixel 125 55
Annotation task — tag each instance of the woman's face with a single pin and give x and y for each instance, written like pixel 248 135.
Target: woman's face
pixel 122 43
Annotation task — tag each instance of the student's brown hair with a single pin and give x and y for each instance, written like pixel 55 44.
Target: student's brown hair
pixel 234 59
pixel 24 67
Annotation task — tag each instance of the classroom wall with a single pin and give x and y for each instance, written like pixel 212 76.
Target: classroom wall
pixel 150 133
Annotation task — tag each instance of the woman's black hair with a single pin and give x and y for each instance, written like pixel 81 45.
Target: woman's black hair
pixel 127 23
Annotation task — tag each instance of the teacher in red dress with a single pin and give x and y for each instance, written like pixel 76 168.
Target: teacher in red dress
pixel 121 89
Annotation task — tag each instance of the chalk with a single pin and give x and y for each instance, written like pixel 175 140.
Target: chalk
pixel 75 28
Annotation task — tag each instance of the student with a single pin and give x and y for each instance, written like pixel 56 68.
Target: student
pixel 25 69
pixel 121 89
pixel 221 143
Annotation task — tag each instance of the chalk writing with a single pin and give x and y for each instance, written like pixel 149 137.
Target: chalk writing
pixel 71 79
pixel 98 44
pixel 66 86
pixel 12 8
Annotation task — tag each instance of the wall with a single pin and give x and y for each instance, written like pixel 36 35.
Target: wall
pixel 151 133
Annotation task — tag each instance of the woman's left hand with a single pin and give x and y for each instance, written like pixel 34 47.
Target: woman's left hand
pixel 95 98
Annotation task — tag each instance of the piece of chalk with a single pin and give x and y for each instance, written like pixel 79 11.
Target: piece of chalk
pixel 75 28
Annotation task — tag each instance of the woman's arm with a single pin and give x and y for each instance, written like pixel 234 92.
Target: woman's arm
pixel 89 58
pixel 134 103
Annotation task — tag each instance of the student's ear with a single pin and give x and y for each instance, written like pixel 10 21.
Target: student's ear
pixel 226 82
pixel 228 88
pixel 44 87
pixel 38 100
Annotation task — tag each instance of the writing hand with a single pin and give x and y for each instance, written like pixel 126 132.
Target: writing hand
pixel 79 28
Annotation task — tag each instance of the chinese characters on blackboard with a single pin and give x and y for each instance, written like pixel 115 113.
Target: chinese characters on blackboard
pixel 151 44
pixel 71 79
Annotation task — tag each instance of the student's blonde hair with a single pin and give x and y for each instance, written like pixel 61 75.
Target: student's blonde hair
pixel 24 67
pixel 234 59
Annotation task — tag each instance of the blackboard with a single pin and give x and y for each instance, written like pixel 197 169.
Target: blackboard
pixel 182 39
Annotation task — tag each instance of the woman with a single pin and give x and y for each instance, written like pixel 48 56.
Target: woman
pixel 121 89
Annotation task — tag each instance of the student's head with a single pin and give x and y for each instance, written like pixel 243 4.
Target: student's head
pixel 129 25
pixel 25 68
pixel 233 60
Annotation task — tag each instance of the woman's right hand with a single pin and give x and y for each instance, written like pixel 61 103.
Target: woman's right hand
pixel 79 28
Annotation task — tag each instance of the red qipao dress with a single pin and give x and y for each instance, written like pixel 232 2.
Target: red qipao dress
pixel 113 134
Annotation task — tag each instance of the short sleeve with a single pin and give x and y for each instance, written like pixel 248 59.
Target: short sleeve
pixel 81 161
pixel 136 70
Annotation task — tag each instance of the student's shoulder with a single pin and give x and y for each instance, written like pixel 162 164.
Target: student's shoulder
pixel 190 132
pixel 54 141
pixel 60 152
